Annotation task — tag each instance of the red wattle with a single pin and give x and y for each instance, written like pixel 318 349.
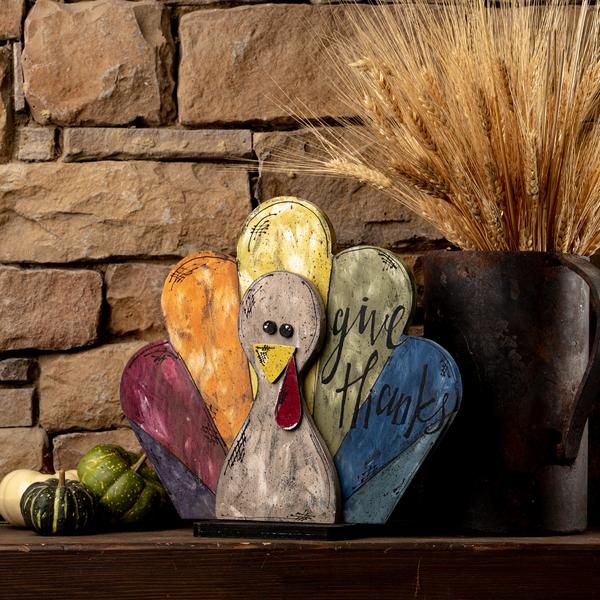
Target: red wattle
pixel 288 410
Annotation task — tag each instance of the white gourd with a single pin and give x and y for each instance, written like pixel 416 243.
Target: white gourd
pixel 14 485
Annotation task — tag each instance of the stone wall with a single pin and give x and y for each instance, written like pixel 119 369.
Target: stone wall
pixel 115 117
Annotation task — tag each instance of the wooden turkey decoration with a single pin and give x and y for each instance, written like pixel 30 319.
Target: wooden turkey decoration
pixel 287 391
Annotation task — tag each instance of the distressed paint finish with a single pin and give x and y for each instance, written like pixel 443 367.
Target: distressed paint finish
pixel 375 501
pixel 288 410
pixel 200 302
pixel 190 497
pixel 159 397
pixel 413 401
pixel 271 474
pixel 273 359
pixel 371 299
pixel 382 403
pixel 288 234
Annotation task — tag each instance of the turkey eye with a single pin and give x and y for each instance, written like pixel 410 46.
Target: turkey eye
pixel 286 330
pixel 269 327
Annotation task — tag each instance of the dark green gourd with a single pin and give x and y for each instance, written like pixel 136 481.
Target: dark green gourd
pixel 128 490
pixel 58 507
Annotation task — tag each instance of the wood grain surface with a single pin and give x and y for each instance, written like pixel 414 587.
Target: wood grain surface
pixel 158 395
pixel 370 301
pixel 200 303
pixel 276 472
pixel 412 404
pixel 288 234
pixel 174 564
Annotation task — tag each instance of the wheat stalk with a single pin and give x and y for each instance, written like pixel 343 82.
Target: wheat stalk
pixel 479 118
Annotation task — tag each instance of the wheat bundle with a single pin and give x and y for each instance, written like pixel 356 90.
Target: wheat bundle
pixel 479 118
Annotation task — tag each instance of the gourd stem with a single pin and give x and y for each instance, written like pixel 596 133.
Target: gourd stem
pixel 61 479
pixel 141 460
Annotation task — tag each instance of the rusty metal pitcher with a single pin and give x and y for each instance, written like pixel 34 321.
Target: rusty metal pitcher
pixel 518 326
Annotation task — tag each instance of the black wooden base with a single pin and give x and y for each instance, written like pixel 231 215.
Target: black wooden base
pixel 268 530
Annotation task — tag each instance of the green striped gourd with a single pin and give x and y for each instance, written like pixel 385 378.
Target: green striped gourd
pixel 12 488
pixel 57 506
pixel 128 490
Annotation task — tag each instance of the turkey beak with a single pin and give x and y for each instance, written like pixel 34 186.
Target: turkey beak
pixel 273 359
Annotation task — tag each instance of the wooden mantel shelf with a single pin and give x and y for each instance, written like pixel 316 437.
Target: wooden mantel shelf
pixel 175 564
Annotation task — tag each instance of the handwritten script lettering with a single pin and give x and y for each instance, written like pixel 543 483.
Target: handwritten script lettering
pixel 365 322
pixel 353 391
pixel 406 410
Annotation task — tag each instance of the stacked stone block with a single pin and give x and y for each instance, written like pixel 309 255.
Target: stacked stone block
pixel 116 118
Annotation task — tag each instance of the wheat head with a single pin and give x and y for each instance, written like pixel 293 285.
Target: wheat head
pixel 478 116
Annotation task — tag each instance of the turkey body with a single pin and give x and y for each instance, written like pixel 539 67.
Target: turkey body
pixel 277 475
pixel 273 473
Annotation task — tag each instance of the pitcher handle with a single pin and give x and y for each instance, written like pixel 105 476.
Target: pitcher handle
pixel 589 388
